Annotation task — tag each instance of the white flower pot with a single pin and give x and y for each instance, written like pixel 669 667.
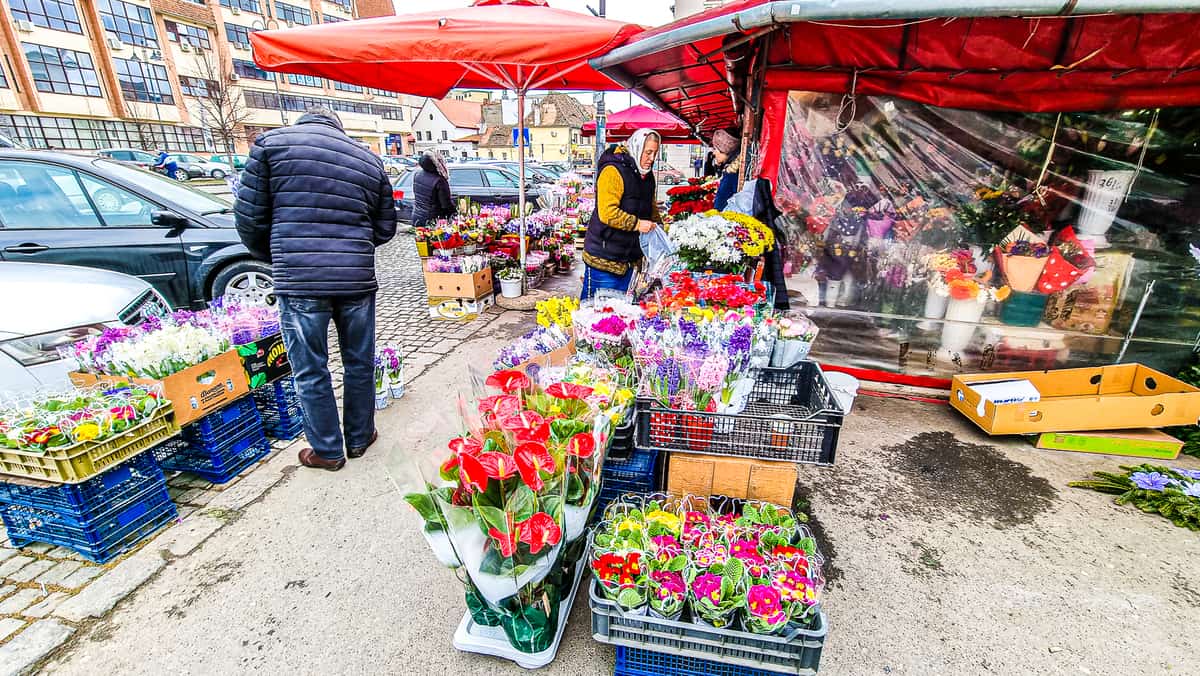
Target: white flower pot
pixel 510 288
pixel 396 385
pixel 382 399
pixel 789 351
pixel 957 336
pixel 935 308
pixel 1102 199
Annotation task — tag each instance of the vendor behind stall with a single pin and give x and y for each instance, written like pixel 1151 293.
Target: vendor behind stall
pixel 626 207
pixel 725 158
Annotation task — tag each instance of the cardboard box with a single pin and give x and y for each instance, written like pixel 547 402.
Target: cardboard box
pixel 1124 396
pixel 195 392
pixel 769 481
pixel 469 285
pixel 264 361
pixel 558 357
pixel 1145 443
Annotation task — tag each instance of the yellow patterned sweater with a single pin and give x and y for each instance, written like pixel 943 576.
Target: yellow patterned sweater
pixel 609 190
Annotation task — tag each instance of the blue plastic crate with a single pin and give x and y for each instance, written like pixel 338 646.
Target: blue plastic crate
pixel 86 501
pixel 639 466
pixel 286 431
pixel 611 489
pixel 218 428
pixel 218 465
pixel 102 538
pixel 279 404
pixel 642 662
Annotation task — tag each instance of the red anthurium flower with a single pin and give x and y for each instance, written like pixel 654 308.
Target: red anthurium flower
pixel 568 391
pixel 508 541
pixel 450 465
pixel 500 406
pixel 509 381
pixel 532 460
pixel 498 465
pixel 473 475
pixel 582 445
pixel 468 445
pixel 539 434
pixel 538 531
pixel 522 420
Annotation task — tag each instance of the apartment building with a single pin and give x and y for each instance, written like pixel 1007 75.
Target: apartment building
pixel 179 74
pixel 689 7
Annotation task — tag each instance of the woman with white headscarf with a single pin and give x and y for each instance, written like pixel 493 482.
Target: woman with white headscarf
pixel 431 191
pixel 626 207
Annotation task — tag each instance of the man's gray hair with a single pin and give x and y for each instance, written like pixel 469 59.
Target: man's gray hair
pixel 324 111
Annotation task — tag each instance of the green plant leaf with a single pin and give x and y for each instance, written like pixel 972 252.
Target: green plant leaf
pixel 425 506
pixel 521 503
pixel 630 598
pixel 677 564
pixel 734 570
pixel 751 513
pixel 493 517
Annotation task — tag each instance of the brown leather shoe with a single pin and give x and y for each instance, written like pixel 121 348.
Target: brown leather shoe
pixel 309 458
pixel 358 452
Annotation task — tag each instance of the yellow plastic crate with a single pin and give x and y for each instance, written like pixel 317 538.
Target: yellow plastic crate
pixel 84 460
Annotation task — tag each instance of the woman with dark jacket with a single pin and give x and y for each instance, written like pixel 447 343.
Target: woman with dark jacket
pixel 431 191
pixel 725 155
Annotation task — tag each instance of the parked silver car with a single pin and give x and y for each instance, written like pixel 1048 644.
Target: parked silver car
pixel 45 307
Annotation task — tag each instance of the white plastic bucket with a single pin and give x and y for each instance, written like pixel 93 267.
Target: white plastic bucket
pixel 845 389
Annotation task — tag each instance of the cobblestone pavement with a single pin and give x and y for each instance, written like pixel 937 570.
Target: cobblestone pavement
pixel 48 592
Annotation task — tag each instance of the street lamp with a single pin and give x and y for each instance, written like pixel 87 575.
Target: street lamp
pixel 272 24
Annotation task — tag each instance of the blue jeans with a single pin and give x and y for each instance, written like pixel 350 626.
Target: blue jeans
pixel 595 279
pixel 306 335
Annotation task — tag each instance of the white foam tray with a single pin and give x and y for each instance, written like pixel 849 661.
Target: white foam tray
pixel 473 638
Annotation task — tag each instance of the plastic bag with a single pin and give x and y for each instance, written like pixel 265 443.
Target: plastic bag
pixel 655 245
pixel 743 202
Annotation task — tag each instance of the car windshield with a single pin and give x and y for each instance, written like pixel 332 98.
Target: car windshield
pixel 169 190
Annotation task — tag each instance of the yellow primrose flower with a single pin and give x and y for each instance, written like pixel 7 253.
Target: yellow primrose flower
pixel 629 525
pixel 87 431
pixel 665 519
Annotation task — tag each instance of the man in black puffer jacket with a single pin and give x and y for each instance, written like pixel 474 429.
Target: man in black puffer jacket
pixel 316 203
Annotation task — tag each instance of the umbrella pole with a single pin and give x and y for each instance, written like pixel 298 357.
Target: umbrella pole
pixel 521 165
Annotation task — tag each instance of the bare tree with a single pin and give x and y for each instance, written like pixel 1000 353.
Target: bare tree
pixel 221 101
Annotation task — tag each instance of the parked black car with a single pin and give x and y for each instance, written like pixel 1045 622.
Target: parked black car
pixel 96 212
pixel 483 183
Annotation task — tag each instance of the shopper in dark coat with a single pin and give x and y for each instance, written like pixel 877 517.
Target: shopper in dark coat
pixel 431 191
pixel 315 203
pixel 726 147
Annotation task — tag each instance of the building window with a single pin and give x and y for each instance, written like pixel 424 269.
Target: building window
pixel 244 5
pixel 141 81
pixel 445 136
pixel 62 71
pixel 346 87
pixel 187 35
pixel 53 14
pixel 238 35
pixel 389 112
pixel 247 69
pixel 383 92
pixel 329 18
pixel 347 6
pixel 196 86
pixel 285 12
pixel 304 80
pixel 132 24
pixel 83 134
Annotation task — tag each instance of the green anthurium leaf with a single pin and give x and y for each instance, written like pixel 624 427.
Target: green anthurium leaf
pixel 575 488
pixel 493 517
pixel 425 506
pixel 522 503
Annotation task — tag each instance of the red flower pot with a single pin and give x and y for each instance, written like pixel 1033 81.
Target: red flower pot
pixel 664 428
pixel 698 430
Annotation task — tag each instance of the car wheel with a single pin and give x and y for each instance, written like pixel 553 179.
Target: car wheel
pixel 181 175
pixel 248 282
pixel 218 174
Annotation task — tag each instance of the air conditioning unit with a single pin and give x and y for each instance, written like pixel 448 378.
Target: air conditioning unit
pixel 185 47
pixel 235 11
pixel 156 55
pixel 234 77
pixel 24 26
pixel 115 44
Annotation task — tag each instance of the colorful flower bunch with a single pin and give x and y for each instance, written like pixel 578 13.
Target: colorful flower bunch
pixel 685 290
pixel 1173 493
pixel 556 311
pixel 715 559
pixel 720 241
pixel 456 264
pixel 691 361
pixel 694 198
pixel 62 421
pixel 611 392
pixel 603 328
pixel 536 342
pixel 753 237
pixel 959 286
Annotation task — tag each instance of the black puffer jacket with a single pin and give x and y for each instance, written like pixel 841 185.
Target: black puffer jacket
pixel 431 194
pixel 315 203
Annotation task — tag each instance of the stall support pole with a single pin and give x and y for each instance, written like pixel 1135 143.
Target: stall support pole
pixel 521 178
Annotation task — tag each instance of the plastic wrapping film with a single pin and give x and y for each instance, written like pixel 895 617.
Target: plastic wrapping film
pixel 932 241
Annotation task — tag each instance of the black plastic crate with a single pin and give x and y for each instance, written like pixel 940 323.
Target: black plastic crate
pixel 796 655
pixel 642 662
pixel 217 429
pixel 218 465
pixel 791 416
pixel 104 536
pixel 623 437
pixel 85 501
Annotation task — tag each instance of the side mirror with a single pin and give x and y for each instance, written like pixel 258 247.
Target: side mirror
pixel 168 219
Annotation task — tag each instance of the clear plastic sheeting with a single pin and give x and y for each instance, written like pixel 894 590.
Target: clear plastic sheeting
pixel 931 241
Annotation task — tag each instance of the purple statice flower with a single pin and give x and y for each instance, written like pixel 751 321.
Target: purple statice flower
pixel 1192 489
pixel 151 324
pixel 1150 481
pixel 1192 474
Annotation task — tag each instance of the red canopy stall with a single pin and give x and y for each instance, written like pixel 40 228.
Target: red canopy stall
pixel 892 135
pixel 623 123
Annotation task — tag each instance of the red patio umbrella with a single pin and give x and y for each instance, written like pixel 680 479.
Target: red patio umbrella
pixel 494 44
pixel 621 124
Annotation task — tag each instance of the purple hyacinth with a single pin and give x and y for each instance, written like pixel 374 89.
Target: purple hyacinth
pixel 739 341
pixel 1150 481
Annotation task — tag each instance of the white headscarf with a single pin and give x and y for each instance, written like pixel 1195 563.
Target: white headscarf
pixel 637 143
pixel 439 163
